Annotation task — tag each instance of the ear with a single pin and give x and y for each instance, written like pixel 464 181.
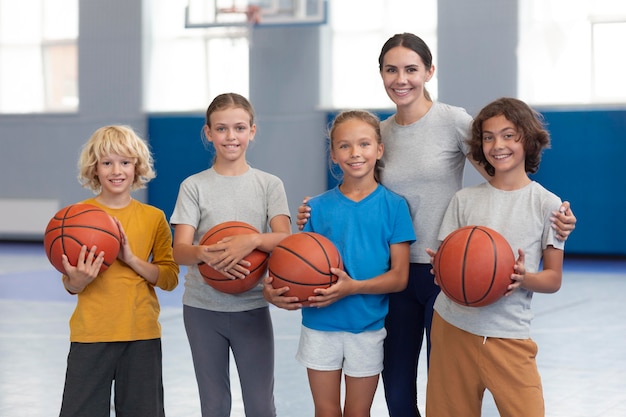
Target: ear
pixel 430 73
pixel 207 133
pixel 381 151
pixel 252 132
pixel 332 156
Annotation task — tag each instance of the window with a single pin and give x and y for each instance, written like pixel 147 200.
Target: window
pixel 569 52
pixel 356 42
pixel 187 67
pixel 608 81
pixel 38 56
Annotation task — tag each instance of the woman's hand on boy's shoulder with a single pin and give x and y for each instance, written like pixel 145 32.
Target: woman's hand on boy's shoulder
pixel 563 221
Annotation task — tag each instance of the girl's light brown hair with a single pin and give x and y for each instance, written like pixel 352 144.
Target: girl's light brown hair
pixel 222 102
pixel 364 116
pixel 120 140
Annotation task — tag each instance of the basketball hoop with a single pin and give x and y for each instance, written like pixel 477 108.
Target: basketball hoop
pixel 229 14
pixel 253 14
pixel 244 18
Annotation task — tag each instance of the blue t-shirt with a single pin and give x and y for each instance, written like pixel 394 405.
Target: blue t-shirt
pixel 362 232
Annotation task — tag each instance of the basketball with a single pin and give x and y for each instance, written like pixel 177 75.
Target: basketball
pixel 77 225
pixel 473 266
pixel 302 262
pixel 257 259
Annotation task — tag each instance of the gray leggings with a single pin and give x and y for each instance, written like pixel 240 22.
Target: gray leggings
pixel 250 336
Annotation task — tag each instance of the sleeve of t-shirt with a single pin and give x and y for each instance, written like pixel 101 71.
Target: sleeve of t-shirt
pixel 403 230
pixel 277 198
pixel 187 209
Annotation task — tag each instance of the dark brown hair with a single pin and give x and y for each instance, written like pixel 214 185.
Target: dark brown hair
pixel 412 42
pixel 528 122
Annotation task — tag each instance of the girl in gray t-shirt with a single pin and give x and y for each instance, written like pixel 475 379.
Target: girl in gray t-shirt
pixel 218 323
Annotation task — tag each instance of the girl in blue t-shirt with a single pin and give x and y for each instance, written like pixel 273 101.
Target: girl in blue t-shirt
pixel 343 331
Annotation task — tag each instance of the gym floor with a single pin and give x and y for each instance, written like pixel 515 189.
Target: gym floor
pixel 580 331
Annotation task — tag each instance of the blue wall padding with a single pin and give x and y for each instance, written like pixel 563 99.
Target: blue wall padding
pixel 586 165
pixel 176 143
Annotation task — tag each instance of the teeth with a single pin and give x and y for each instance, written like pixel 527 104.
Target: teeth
pixel 501 156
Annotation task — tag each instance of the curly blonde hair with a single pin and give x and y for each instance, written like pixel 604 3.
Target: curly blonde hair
pixel 120 140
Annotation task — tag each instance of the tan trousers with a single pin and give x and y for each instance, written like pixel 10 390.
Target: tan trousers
pixel 463 365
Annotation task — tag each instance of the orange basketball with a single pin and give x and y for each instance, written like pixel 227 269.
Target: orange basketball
pixel 257 259
pixel 77 225
pixel 302 262
pixel 473 266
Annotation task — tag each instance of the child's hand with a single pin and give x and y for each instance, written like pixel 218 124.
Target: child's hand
pixel 304 212
pixel 432 254
pixel 276 297
pixel 519 273
pixel 85 271
pixel 227 255
pixel 326 296
pixel 563 221
pixel 125 254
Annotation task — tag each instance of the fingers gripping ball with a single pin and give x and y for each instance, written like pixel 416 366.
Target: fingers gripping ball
pixel 302 262
pixel 473 266
pixel 77 225
pixel 257 259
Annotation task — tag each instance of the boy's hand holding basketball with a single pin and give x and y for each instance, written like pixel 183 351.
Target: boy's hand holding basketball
pixel 85 271
pixel 519 273
pixel 432 254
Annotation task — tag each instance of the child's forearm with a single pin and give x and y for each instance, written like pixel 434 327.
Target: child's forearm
pixel 186 254
pixel 546 281
pixel 145 269
pixel 549 279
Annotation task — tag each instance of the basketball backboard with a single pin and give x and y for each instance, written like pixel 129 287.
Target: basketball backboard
pixel 232 13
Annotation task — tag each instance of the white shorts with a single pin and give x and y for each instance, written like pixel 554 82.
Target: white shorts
pixel 358 354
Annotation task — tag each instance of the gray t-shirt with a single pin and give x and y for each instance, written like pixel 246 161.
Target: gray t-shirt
pixel 423 162
pixel 523 218
pixel 207 199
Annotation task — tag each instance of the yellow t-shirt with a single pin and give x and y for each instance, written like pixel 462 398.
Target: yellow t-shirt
pixel 119 305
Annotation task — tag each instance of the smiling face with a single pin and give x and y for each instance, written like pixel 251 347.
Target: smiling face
pixel 404 76
pixel 355 149
pixel 503 146
pixel 230 131
pixel 116 174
